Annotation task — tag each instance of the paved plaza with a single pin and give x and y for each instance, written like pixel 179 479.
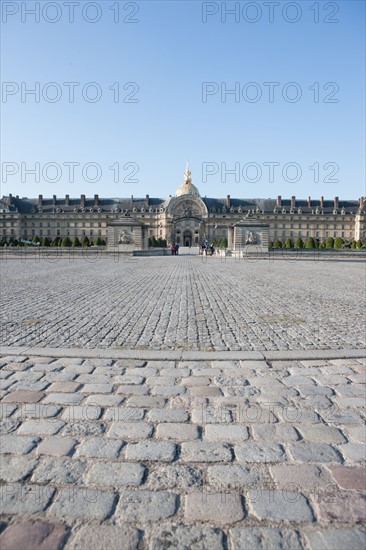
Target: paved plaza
pixel 183 302
pixel 182 403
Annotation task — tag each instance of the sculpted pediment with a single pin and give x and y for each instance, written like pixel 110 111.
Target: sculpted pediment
pixel 188 207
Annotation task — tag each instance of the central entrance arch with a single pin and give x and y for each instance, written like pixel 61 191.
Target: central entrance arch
pixel 187 238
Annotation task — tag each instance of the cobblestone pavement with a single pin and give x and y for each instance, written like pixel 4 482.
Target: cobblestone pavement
pixel 183 302
pixel 129 454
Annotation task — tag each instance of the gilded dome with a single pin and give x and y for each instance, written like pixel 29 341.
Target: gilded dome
pixel 187 187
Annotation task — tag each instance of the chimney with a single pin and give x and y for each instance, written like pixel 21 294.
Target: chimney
pixel 147 200
pixel 67 200
pixel 82 201
pixel 40 200
pixel 309 201
pixel 54 200
pixel 279 200
pixel 228 203
pixel 293 199
pixel 336 203
pixel 96 200
pixel 322 201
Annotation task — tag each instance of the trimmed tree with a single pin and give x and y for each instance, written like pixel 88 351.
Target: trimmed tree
pixel 358 244
pixel 98 242
pixel 299 243
pixel 310 243
pixel 75 242
pixel 66 242
pixel 288 244
pixel 270 244
pixel 329 243
pixel 85 241
pixel 46 241
pixel 152 241
pixel 338 242
pixel 277 244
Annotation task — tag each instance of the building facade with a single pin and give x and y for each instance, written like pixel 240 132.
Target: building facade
pixel 185 218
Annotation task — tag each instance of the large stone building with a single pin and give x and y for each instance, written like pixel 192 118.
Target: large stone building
pixel 185 218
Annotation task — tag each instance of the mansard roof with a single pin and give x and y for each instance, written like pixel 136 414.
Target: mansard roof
pixel 27 206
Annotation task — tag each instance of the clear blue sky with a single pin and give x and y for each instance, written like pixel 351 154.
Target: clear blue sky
pixel 169 53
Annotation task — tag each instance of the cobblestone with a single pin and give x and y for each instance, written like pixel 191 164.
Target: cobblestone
pixel 349 478
pixel 99 448
pixel 354 451
pixel 280 506
pixel 41 427
pixel 151 450
pixel 219 287
pixel 233 475
pixel 82 503
pixel 97 537
pixel 299 476
pixel 314 452
pixel 174 476
pixel 345 507
pixel 201 451
pixel 333 539
pixel 321 433
pixel 187 537
pixel 130 430
pixel 122 468
pixel 65 470
pixel 179 432
pixel 221 509
pixel 24 499
pixel 146 505
pixel 116 474
pixel 254 452
pixel 16 470
pixel 67 387
pixel 23 397
pixel 167 415
pixel 265 538
pixel 30 535
pixel 221 432
pixel 56 446
pixel 17 445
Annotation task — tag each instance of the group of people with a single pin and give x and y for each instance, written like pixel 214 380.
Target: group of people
pixel 205 247
pixel 174 249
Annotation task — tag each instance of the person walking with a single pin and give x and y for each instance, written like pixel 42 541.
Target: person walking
pixel 172 248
